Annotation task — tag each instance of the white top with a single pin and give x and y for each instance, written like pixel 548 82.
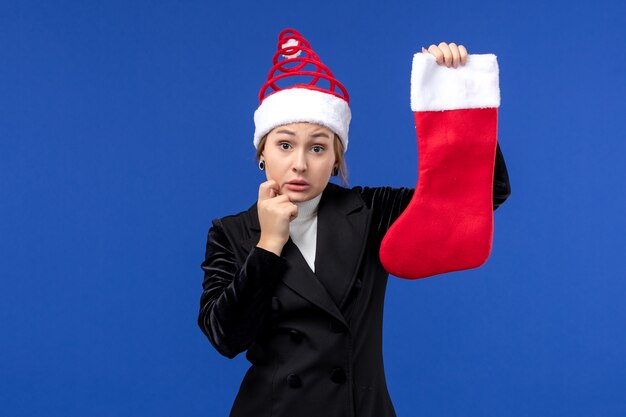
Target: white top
pixel 303 229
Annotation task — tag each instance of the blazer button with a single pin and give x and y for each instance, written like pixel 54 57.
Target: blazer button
pixel 338 376
pixel 276 304
pixel 294 381
pixel 296 336
pixel 336 327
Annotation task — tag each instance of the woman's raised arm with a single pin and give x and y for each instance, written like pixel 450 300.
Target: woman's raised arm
pixel 388 202
pixel 501 184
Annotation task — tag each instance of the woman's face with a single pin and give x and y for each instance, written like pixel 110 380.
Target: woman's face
pixel 299 152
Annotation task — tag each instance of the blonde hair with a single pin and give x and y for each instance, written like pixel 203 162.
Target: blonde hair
pixel 339 156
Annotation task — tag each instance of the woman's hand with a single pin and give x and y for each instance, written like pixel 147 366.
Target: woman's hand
pixel 275 212
pixel 448 54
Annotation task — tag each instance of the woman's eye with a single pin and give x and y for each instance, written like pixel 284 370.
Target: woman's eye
pixel 285 146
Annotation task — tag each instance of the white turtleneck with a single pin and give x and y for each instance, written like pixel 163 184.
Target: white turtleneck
pixel 303 229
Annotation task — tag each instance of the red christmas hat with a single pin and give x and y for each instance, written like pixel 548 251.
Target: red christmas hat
pixel 310 92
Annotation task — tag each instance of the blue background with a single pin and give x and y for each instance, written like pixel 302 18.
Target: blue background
pixel 125 127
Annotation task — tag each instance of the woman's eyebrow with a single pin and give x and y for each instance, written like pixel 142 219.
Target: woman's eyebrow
pixel 313 136
pixel 289 132
pixel 320 135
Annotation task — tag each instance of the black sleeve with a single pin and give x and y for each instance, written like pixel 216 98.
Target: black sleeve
pixel 386 203
pixel 501 184
pixel 235 298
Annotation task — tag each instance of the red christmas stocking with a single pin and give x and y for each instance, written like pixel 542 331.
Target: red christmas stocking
pixel 448 224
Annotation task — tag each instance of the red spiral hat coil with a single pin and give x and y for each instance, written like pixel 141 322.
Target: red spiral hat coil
pixel 288 63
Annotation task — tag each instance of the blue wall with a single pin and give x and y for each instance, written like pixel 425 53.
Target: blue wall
pixel 125 127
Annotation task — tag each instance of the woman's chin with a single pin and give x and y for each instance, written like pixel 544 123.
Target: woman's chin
pixel 297 197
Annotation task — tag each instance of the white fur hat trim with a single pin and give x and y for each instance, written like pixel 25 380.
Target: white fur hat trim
pixel 302 105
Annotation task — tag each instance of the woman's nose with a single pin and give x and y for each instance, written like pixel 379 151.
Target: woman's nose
pixel 299 162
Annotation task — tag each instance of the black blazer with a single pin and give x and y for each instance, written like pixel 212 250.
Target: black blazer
pixel 309 356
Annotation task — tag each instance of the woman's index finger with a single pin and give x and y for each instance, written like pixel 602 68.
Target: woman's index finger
pixel 266 188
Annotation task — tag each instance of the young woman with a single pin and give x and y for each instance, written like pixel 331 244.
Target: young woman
pixel 296 280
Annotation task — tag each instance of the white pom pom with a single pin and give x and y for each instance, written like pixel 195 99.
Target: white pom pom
pixel 291 42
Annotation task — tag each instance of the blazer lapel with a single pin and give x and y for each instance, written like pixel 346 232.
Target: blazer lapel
pixel 342 225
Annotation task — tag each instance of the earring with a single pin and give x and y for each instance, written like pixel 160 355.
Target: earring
pixel 262 165
pixel 335 171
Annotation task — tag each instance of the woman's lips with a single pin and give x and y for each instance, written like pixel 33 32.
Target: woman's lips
pixel 296 187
